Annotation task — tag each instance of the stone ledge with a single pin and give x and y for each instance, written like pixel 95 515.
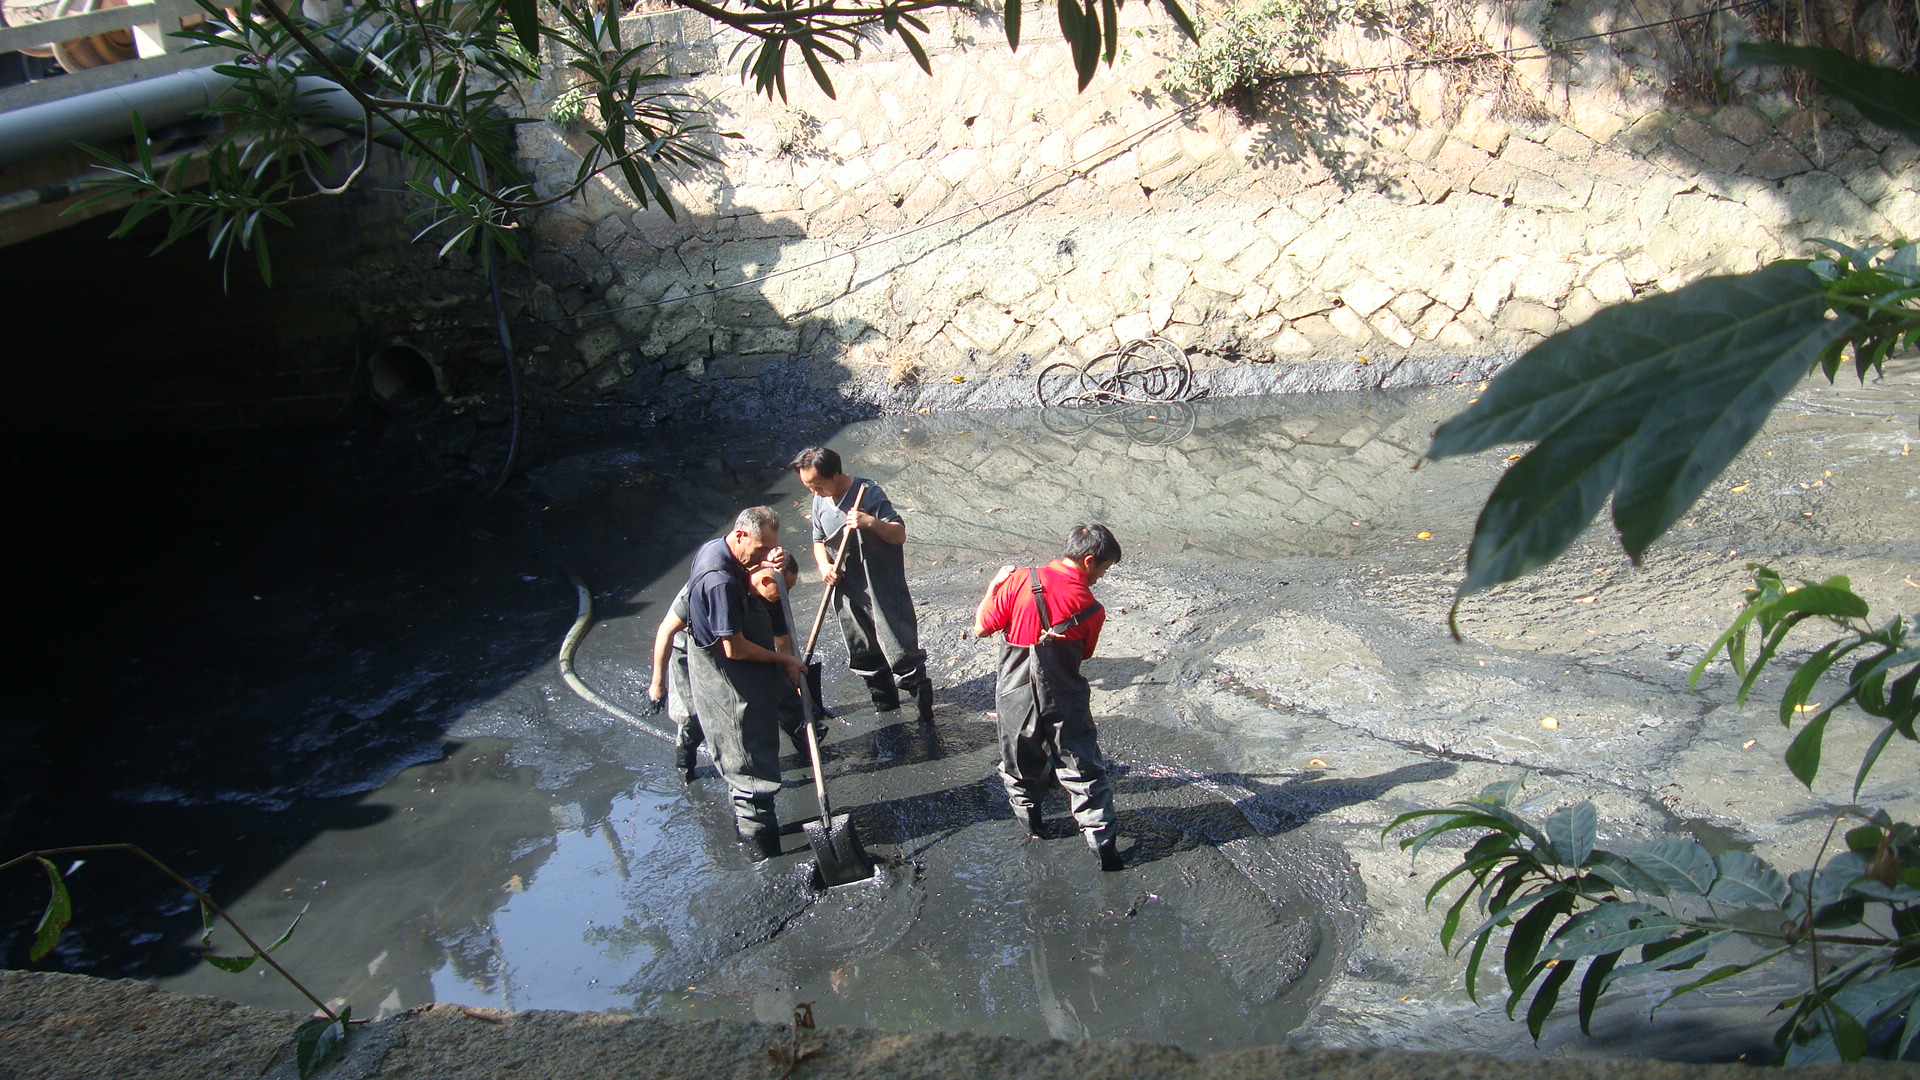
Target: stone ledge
pixel 66 1026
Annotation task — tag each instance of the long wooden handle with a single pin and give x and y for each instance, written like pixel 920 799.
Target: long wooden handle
pixel 840 557
pixel 806 706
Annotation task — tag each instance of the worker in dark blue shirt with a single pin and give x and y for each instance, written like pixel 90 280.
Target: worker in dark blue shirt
pixel 740 687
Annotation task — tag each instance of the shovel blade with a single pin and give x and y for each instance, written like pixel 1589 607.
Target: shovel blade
pixel 838 855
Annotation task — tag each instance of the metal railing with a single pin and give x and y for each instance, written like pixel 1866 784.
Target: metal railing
pixel 157 52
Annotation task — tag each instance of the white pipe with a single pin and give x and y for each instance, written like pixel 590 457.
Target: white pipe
pixel 102 116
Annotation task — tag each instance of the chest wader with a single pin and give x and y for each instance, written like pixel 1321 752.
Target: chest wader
pixel 882 629
pixel 1046 715
pixel 739 704
pixel 758 628
pixel 686 723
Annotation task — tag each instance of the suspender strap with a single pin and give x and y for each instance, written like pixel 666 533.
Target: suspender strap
pixel 1050 631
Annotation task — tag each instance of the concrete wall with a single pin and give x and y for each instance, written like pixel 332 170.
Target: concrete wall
pixel 920 238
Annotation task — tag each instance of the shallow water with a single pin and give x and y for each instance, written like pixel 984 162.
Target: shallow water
pixel 330 695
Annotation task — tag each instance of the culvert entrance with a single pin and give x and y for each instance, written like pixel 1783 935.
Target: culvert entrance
pixel 400 375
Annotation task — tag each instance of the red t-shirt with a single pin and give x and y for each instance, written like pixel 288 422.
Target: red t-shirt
pixel 1011 608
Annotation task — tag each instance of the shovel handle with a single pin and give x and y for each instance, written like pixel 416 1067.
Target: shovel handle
pixel 806 702
pixel 839 558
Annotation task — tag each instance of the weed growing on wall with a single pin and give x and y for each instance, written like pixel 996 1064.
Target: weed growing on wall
pixel 1248 43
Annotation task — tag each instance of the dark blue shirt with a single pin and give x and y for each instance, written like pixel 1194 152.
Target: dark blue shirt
pixel 716 594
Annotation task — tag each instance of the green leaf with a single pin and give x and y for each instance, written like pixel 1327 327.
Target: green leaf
pixel 819 70
pixel 1110 20
pixel 916 49
pixel 233 965
pixel 318 1041
pixel 1848 1035
pixel 1501 792
pixel 54 920
pixel 1180 19
pixel 1081 28
pixel 1803 756
pixel 287 934
pixel 1609 928
pixel 1800 687
pixel 1570 833
pixel 1723 972
pixel 1681 866
pixel 1882 997
pixel 1747 880
pixel 1473 966
pixel 1883 95
pixel 1623 873
pixel 1872 755
pixel 1545 998
pixel 1592 985
pixel 1523 945
pixel 1509 910
pixel 1012 15
pixel 1652 397
pixel 525 17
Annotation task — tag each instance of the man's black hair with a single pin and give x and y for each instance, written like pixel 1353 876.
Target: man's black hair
pixel 1095 540
pixel 818 458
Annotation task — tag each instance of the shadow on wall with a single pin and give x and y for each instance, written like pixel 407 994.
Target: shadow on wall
pixel 674 318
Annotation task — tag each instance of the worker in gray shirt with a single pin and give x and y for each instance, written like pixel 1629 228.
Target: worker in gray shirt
pixel 870 590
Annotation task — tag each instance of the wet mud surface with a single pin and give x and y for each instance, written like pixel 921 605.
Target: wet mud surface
pixel 302 671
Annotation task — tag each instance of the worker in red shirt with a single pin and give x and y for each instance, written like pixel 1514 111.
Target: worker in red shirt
pixel 1052 623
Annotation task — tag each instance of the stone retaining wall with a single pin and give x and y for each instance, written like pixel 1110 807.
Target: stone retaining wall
pixel 920 238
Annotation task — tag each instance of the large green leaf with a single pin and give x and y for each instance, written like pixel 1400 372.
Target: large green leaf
pixel 1592 985
pixel 1546 997
pixel 525 17
pixel 1883 95
pixel 1570 831
pixel 1696 431
pixel 1623 873
pixel 1609 928
pixel 1682 866
pixel 1747 880
pixel 1523 944
pixel 1646 401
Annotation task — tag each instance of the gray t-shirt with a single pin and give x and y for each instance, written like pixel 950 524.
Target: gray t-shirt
pixel 885 565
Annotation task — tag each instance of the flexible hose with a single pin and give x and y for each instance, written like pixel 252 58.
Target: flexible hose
pixel 581 621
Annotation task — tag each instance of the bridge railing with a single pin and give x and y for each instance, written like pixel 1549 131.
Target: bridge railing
pixel 151 24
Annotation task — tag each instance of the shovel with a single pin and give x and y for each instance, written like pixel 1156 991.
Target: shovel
pixel 837 851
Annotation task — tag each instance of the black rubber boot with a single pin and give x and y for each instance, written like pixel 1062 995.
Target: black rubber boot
pixel 1106 845
pixel 924 698
pixel 686 760
pixel 762 841
pixel 1036 823
pixel 886 696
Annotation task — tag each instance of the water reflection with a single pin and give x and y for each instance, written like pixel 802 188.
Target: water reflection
pixel 1236 478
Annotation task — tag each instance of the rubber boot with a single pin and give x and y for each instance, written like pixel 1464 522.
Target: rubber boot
pixel 687 760
pixel 1036 823
pixel 886 696
pixel 762 841
pixel 1105 845
pixel 813 688
pixel 924 698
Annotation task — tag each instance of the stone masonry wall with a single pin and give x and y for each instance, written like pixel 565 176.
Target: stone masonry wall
pixel 920 239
